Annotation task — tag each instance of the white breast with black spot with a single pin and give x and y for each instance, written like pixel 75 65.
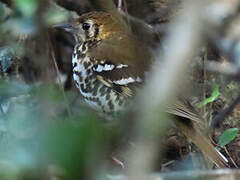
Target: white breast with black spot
pixel 81 73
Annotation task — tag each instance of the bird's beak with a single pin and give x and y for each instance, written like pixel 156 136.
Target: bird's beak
pixel 66 26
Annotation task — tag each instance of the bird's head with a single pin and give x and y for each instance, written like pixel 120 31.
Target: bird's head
pixel 92 26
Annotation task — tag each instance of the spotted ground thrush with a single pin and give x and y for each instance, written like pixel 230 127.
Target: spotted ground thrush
pixel 109 64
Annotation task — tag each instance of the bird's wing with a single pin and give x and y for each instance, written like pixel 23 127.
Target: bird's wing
pixel 120 60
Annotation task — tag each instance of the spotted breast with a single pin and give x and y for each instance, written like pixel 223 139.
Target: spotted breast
pixel 96 92
pixel 108 62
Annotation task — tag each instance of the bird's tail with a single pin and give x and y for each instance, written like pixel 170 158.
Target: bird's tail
pixel 203 144
pixel 189 122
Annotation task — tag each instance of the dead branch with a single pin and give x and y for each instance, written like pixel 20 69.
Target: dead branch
pixel 184 39
pixel 218 120
pixel 221 174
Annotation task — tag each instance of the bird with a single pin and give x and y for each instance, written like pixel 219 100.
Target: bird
pixel 110 64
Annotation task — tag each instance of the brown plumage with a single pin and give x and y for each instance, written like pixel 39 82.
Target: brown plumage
pixel 109 63
pixel 191 125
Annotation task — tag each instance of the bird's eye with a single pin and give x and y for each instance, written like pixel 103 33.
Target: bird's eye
pixel 85 26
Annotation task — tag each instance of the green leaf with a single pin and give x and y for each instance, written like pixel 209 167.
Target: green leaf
pixel 227 136
pixel 214 95
pixel 27 7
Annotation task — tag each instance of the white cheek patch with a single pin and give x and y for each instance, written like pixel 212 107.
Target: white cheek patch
pixel 121 66
pixel 104 67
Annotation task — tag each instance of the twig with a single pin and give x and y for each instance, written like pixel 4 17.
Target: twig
pixel 225 149
pixel 2 111
pixel 220 174
pixel 126 11
pixel 1 70
pixel 168 163
pixel 228 47
pixel 227 69
pixel 204 80
pixel 58 75
pixel 1 108
pixel 218 120
pixel 119 5
pixel 120 163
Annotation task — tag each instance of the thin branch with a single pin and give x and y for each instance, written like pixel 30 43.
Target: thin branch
pixel 119 5
pixel 220 174
pixel 218 120
pixel 2 74
pixel 229 70
pixel 58 75
pixel 230 157
pixel 1 109
pixel 184 39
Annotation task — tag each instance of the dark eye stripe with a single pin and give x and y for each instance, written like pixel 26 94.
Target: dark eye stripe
pixel 96 32
pixel 87 34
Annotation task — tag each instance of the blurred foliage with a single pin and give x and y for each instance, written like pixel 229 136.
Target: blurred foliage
pixel 23 18
pixel 21 26
pixel 6 58
pixel 26 7
pixel 26 17
pixel 37 132
pixel 55 15
pixel 9 55
pixel 2 11
pixel 227 136
pixel 76 148
pixel 39 137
